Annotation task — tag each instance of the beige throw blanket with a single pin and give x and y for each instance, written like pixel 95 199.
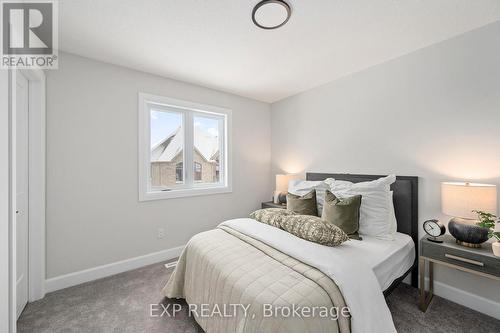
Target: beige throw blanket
pixel 223 267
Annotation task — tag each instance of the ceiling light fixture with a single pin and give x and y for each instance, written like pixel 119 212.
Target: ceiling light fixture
pixel 271 14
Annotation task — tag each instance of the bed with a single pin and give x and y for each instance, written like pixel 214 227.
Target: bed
pixel 246 276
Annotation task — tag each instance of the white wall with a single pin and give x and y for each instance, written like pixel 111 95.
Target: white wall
pixel 93 213
pixel 434 113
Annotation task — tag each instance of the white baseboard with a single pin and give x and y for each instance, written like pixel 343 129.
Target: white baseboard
pixel 73 279
pixel 467 299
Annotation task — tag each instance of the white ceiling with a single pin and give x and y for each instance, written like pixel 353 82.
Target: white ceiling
pixel 214 43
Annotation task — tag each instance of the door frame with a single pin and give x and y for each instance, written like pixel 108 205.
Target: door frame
pixel 36 193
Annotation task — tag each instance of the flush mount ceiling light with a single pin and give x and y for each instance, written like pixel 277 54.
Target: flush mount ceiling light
pixel 271 14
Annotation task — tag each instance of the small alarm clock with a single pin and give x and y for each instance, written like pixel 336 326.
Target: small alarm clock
pixel 434 228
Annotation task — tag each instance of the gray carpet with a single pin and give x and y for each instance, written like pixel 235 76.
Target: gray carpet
pixel 121 303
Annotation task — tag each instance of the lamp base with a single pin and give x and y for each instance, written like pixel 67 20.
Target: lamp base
pixel 467 233
pixel 276 197
pixel 279 197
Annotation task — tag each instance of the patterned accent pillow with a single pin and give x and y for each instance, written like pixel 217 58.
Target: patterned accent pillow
pixel 314 229
pixel 271 216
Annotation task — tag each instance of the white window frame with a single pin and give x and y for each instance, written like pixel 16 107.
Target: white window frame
pixel 189 109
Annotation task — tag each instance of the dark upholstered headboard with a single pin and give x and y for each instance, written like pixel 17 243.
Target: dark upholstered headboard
pixel 405 191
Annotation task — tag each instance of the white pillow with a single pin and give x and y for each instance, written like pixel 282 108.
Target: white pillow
pixel 301 187
pixel 375 215
pixel 393 222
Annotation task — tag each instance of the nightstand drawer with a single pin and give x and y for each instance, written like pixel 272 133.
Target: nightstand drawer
pixel 462 257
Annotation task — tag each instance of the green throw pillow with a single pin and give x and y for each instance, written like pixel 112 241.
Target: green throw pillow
pixel 314 229
pixel 271 216
pixel 303 205
pixel 344 213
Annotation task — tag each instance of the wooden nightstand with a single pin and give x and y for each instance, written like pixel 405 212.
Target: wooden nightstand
pixel 479 261
pixel 270 204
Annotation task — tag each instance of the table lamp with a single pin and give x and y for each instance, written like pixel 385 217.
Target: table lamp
pixel 281 190
pixel 460 200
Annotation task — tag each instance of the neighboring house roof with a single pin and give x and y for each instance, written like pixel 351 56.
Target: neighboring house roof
pixel 166 150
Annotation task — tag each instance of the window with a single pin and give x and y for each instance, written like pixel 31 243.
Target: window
pixel 179 172
pixel 183 148
pixel 197 172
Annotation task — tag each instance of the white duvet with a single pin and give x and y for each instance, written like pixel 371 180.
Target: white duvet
pixel 355 279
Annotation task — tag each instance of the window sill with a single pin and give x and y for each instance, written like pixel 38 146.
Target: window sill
pixel 182 193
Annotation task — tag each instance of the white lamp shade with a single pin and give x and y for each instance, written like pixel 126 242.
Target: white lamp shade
pixel 283 180
pixel 460 199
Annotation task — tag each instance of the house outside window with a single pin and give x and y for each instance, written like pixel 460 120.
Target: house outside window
pixel 177 136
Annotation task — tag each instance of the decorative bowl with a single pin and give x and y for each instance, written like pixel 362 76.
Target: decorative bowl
pixel 467 233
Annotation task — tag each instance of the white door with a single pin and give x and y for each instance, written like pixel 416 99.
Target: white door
pixel 22 218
